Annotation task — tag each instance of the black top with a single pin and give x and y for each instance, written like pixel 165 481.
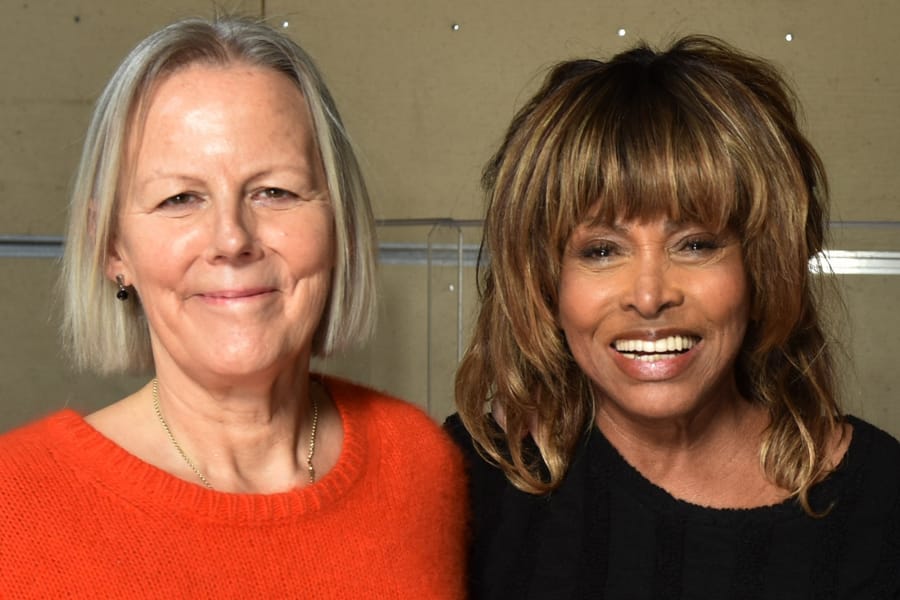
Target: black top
pixel 607 532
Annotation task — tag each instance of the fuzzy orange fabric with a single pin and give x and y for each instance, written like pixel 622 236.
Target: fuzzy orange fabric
pixel 81 517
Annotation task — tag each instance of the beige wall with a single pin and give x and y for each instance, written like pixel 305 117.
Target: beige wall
pixel 426 104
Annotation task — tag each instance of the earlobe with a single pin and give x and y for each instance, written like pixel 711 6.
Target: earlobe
pixel 122 294
pixel 117 270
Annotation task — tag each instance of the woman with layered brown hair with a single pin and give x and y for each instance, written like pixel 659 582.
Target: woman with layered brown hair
pixel 649 403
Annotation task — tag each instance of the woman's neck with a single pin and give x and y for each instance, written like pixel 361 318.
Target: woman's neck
pixel 243 435
pixel 710 458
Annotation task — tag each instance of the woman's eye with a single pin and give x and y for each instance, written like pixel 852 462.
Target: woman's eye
pixel 700 245
pixel 275 194
pixel 178 200
pixel 598 251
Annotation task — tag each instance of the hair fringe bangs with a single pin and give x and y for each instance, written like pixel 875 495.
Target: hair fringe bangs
pixel 622 160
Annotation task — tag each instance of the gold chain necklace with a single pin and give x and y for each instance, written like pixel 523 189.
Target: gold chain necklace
pixel 190 463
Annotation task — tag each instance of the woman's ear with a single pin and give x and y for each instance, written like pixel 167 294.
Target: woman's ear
pixel 115 264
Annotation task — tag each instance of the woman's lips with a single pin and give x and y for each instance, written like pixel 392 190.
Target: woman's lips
pixel 235 295
pixel 655 349
pixel 654 358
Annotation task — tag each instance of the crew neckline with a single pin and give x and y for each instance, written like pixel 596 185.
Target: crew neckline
pixel 101 462
pixel 602 455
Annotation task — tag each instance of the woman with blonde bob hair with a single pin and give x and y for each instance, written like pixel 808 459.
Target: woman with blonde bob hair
pixel 104 337
pixel 220 235
pixel 648 404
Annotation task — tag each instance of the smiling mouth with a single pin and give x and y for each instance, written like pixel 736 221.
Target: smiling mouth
pixel 236 294
pixel 654 350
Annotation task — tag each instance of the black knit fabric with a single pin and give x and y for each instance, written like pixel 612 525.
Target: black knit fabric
pixel 609 533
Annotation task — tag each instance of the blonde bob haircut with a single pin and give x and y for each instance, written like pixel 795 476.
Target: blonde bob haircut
pixel 109 336
pixel 697 133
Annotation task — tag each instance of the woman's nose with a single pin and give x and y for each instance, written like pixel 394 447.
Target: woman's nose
pixel 234 233
pixel 653 287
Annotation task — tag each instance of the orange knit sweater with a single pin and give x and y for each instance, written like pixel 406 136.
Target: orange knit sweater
pixel 80 517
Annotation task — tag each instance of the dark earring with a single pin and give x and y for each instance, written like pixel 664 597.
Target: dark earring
pixel 122 294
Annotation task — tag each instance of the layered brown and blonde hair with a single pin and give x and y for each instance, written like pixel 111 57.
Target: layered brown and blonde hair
pixel 699 132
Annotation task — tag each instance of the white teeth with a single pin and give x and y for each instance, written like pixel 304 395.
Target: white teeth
pixel 653 350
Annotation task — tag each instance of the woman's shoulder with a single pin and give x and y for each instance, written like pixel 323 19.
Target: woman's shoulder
pixel 397 426
pixel 487 481
pixel 24 439
pixel 453 425
pixel 872 461
pixel 38 485
pixel 35 455
pixel 475 460
pixel 873 447
pixel 375 404
pixel 868 476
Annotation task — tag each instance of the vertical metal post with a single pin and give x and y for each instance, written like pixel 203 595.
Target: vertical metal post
pixel 460 264
pixel 428 331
